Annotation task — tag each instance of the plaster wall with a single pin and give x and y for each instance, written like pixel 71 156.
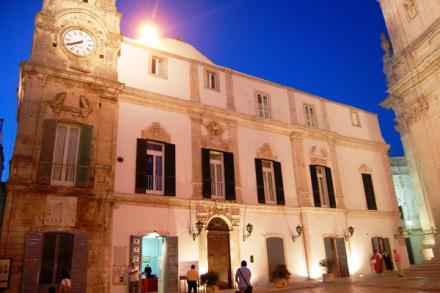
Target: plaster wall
pixel 132 120
pixel 133 70
pixel 249 142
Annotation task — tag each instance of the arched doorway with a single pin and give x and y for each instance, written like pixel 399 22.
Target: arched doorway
pixel 219 258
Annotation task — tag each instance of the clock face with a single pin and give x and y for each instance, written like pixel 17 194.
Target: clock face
pixel 78 42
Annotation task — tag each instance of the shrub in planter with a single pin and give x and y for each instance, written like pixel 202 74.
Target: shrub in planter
pixel 280 275
pixel 326 265
pixel 211 280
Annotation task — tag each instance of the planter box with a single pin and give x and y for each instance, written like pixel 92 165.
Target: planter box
pixel 280 283
pixel 328 278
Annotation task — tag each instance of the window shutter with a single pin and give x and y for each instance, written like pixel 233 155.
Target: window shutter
pixel 375 243
pixel 171 269
pixel 141 166
pixel 369 191
pixel 32 262
pixel 329 251
pixel 79 263
pixel 84 151
pixel 228 160
pixel 206 173
pixel 170 169
pixel 342 256
pixel 260 182
pixel 46 151
pixel 279 183
pixel 315 187
pixel 331 191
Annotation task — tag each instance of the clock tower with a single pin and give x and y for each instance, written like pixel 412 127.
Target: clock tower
pixel 58 213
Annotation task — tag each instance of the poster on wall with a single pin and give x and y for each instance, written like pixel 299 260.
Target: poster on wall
pixel 5 272
pixel 119 275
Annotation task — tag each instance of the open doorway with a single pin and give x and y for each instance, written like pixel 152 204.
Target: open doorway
pixel 152 262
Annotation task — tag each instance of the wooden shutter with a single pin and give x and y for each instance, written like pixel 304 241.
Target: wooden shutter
pixel 279 183
pixel 375 243
pixel 170 169
pixel 171 267
pixel 46 151
pixel 342 256
pixel 206 173
pixel 79 263
pixel 369 191
pixel 32 262
pixel 228 161
pixel 84 152
pixel 315 186
pixel 260 182
pixel 330 189
pixel 329 253
pixel 141 166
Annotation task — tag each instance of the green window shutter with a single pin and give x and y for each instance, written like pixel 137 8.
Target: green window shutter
pixel 279 183
pixel 228 160
pixel 260 182
pixel 84 154
pixel 141 166
pixel 46 151
pixel 206 173
pixel 331 191
pixel 79 263
pixel 315 186
pixel 170 169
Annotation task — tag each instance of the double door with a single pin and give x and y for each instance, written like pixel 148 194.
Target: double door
pixel 336 252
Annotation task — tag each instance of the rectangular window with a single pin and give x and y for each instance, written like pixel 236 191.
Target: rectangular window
pixel 158 66
pixel 211 78
pixel 355 119
pixel 310 116
pixel 155 168
pixel 65 155
pixel 269 182
pixel 369 191
pixel 322 186
pixel 263 106
pixel 217 175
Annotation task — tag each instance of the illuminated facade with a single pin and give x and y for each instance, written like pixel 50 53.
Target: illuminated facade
pixel 152 153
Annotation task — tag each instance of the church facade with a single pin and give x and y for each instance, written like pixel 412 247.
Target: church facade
pixel 151 153
pixel 412 68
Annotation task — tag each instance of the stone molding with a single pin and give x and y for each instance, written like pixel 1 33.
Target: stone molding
pixel 214 139
pixel 364 168
pixel 318 156
pixel 156 132
pixel 413 112
pixel 265 152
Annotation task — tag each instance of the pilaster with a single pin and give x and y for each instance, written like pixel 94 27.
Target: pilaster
pixel 233 139
pixel 230 90
pixel 336 177
pixel 194 82
pixel 196 146
pixel 292 107
pixel 302 188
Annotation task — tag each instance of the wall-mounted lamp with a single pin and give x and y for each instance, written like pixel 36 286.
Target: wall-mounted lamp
pixel 349 234
pixel 249 229
pixel 299 230
pixel 199 227
pixel 399 232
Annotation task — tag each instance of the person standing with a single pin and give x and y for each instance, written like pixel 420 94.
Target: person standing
pixel 376 262
pixel 133 278
pixel 397 261
pixel 243 278
pixel 192 277
pixel 388 261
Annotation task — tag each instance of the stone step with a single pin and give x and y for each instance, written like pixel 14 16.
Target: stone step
pixel 429 268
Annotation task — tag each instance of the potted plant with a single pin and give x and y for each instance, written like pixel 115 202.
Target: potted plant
pixel 326 265
pixel 210 279
pixel 280 276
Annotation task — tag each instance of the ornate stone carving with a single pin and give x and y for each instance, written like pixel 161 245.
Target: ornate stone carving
pixel 386 45
pixel 156 132
pixel 414 112
pixel 57 105
pixel 217 209
pixel 411 8
pixel 365 169
pixel 265 152
pixel 214 138
pixel 318 156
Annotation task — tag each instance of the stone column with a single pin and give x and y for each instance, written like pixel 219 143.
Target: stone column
pixel 299 168
pixel 336 177
pixel 196 147
pixel 194 82
pixel 230 90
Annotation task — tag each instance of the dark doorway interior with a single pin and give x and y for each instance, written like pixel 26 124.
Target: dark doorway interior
pixel 275 253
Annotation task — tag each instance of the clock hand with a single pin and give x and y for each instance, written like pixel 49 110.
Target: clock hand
pixel 75 43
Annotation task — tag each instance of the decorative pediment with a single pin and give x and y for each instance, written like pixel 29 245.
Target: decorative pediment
pixel 265 152
pixel 214 138
pixel 365 169
pixel 156 132
pixel 58 105
pixel 216 209
pixel 318 156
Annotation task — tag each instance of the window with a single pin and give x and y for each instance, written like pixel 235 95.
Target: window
pixel 218 174
pixel 269 182
pixel 322 185
pixel 211 80
pixel 310 116
pixel 355 119
pixel 369 191
pixel 263 106
pixel 65 155
pixel 155 168
pixel 158 66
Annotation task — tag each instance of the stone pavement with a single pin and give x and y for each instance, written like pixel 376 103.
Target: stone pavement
pixel 361 284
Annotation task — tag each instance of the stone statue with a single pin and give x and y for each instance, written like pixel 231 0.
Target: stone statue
pixel 386 45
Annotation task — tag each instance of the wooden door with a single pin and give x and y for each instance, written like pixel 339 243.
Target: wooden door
pixel 219 257
pixel 342 256
pixel 275 253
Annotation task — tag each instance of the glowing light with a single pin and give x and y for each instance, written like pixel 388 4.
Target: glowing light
pixel 149 34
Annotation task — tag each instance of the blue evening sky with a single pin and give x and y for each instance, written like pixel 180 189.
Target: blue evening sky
pixel 328 48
